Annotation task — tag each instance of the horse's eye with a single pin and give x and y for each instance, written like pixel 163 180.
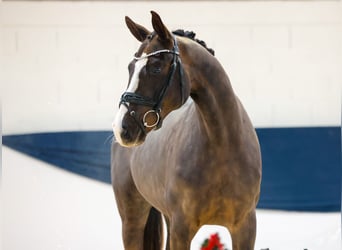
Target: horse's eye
pixel 154 67
pixel 155 70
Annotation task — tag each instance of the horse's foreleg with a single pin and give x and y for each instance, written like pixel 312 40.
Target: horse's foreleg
pixel 243 234
pixel 132 235
pixel 133 210
pixel 133 217
pixel 181 234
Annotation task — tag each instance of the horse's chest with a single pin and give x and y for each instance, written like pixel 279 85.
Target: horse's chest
pixel 150 182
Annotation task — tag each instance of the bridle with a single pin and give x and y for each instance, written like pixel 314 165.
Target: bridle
pixel 155 104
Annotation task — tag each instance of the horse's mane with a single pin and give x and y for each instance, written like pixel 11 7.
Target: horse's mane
pixel 192 36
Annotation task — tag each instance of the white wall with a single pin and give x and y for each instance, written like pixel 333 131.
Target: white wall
pixel 64 64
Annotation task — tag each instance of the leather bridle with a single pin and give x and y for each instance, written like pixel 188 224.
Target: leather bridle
pixel 155 104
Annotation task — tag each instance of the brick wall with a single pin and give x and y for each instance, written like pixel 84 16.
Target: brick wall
pixel 64 64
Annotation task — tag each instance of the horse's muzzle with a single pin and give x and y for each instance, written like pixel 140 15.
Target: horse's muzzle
pixel 128 134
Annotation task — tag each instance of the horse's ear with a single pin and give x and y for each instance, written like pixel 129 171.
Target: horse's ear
pixel 158 25
pixel 138 31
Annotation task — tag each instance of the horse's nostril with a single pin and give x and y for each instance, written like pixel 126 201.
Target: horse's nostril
pixel 125 133
pixel 124 126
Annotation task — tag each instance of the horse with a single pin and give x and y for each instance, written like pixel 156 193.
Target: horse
pixel 185 148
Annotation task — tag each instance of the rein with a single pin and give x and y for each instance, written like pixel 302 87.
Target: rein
pixel 130 97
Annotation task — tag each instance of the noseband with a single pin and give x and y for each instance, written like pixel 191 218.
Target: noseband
pixel 155 104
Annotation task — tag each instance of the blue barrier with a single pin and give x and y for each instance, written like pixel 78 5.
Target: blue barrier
pixel 301 166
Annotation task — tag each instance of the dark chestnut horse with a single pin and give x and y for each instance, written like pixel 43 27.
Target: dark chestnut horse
pixel 185 149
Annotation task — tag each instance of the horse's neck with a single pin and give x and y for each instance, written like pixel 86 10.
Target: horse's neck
pixel 218 108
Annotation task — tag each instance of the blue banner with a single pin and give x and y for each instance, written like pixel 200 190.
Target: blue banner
pixel 301 166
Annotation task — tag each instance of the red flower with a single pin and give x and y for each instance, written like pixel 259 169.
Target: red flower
pixel 213 243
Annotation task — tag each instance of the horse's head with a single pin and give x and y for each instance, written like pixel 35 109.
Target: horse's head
pixel 157 84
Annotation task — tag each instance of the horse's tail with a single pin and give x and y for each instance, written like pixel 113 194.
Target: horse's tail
pixel 153 234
